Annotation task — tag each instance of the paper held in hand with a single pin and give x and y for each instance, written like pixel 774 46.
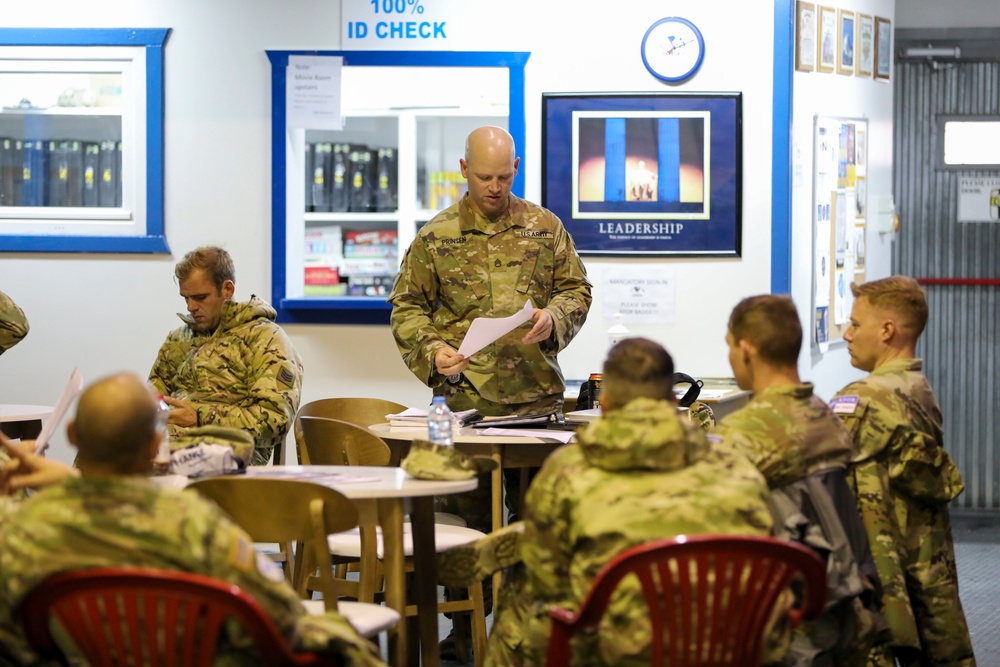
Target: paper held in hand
pixel 69 393
pixel 485 330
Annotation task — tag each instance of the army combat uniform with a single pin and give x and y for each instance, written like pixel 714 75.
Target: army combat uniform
pixel 245 375
pixel 802 449
pixel 904 480
pixel 639 473
pixel 13 323
pixel 129 521
pixel 462 266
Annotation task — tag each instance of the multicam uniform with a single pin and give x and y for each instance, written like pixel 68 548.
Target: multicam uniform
pixel 792 435
pixel 245 375
pixel 129 521
pixel 462 266
pixel 13 323
pixel 639 473
pixel 904 479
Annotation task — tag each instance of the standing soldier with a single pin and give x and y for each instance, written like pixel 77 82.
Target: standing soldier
pixel 485 256
pixel 902 476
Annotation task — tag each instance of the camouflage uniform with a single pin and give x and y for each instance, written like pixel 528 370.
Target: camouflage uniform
pixel 462 266
pixel 802 448
pixel 244 375
pixel 640 473
pixel 904 479
pixel 13 323
pixel 128 521
pixel 788 434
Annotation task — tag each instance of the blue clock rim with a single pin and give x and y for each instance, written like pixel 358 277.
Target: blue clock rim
pixel 694 68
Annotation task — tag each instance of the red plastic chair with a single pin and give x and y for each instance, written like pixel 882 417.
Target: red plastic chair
pixel 144 616
pixel 709 592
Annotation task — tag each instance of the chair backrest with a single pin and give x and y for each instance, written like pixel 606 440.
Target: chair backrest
pixel 285 510
pixel 709 596
pixel 337 442
pixel 127 616
pixel 359 411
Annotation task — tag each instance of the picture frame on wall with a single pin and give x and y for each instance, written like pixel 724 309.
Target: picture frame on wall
pixel 883 48
pixel 846 42
pixel 643 174
pixel 826 47
pixel 865 60
pixel 805 36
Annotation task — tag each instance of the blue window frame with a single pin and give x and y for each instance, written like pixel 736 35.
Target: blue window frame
pixel 133 224
pixel 362 310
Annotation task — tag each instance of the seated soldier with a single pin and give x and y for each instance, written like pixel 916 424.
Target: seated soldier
pixel 903 476
pixel 229 364
pixel 108 514
pixel 802 449
pixel 13 323
pixel 640 472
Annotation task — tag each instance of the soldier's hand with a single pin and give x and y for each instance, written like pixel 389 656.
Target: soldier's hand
pixel 450 362
pixel 27 470
pixel 542 329
pixel 181 413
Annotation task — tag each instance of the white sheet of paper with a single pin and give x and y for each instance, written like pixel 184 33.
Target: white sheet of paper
pixel 561 436
pixel 69 393
pixel 485 330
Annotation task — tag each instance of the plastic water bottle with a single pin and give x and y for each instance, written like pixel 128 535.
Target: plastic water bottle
pixel 617 332
pixel 439 423
pixel 161 464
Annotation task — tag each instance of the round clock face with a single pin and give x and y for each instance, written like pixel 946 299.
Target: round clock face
pixel 672 49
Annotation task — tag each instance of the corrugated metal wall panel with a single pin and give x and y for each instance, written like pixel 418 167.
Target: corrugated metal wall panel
pixel 960 348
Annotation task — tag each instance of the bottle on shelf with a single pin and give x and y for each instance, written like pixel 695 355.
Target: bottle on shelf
pixel 439 423
pixel 338 189
pixel 161 463
pixel 617 332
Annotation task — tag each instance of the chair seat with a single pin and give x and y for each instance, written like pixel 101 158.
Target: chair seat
pixel 367 618
pixel 348 543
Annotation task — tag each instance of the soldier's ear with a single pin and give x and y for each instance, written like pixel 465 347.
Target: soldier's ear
pixel 888 330
pixel 747 350
pixel 228 289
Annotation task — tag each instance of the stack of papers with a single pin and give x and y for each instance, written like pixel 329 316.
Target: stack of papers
pixel 418 417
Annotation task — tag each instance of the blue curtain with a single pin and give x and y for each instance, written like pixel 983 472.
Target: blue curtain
pixel 614 159
pixel 669 159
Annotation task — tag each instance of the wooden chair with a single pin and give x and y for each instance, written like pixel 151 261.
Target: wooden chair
pixel 335 442
pixel 358 411
pixel 714 591
pixel 139 616
pixel 282 510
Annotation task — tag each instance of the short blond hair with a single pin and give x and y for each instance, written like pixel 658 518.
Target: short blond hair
pixel 900 295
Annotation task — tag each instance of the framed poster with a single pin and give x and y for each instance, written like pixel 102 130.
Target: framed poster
pixel 864 62
pixel 645 173
pixel 826 47
pixel 805 36
pixel 883 48
pixel 845 35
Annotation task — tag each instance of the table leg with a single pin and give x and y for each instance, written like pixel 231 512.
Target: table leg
pixel 425 578
pixel 390 511
pixel 496 481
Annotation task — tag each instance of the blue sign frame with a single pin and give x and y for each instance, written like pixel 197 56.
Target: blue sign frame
pixel 645 173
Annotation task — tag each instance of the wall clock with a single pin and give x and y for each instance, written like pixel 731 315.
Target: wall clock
pixel 672 49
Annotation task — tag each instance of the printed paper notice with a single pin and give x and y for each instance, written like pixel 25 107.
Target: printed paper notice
pixel 485 330
pixel 642 294
pixel 312 92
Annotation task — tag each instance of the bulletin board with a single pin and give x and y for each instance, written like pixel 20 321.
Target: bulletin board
pixel 840 213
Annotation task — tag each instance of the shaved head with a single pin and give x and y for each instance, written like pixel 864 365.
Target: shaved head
pixel 489 142
pixel 115 424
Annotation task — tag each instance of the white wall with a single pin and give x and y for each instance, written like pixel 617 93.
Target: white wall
pixel 851 97
pixel 111 312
